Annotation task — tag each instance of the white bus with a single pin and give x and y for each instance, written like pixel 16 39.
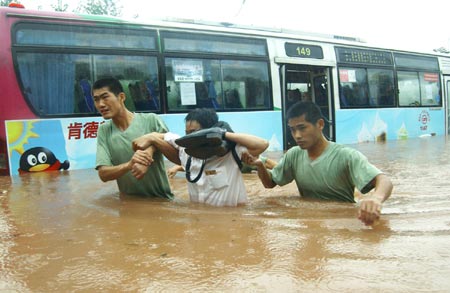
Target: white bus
pixel 249 75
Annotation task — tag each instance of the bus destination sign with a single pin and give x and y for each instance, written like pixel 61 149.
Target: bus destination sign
pixel 351 55
pixel 303 51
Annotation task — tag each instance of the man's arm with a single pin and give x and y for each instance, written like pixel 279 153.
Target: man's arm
pixel 254 144
pixel 269 163
pixel 264 175
pixel 141 161
pixel 144 158
pixel 156 140
pixel 107 173
pixel 383 187
pixel 370 206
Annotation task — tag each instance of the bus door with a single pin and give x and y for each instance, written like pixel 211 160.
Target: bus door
pixel 306 82
pixel 445 101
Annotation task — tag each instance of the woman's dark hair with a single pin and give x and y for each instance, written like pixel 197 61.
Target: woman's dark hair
pixel 224 125
pixel 111 83
pixel 206 117
pixel 309 109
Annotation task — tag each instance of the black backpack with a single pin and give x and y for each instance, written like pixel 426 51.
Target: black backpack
pixel 205 143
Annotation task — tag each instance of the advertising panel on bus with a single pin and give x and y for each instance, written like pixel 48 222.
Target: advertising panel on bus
pixel 51 144
pixel 37 145
pixel 378 125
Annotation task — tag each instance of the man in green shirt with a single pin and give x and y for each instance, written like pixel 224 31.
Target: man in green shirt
pixel 323 169
pixel 137 173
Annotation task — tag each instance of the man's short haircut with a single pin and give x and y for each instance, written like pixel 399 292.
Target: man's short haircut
pixel 206 117
pixel 111 83
pixel 309 109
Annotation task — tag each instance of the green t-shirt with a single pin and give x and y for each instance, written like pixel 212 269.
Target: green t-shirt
pixel 114 148
pixel 333 175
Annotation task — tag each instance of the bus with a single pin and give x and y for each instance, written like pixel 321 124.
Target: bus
pixel 249 75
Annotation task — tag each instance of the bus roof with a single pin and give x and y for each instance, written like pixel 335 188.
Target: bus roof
pixel 180 23
pixel 205 26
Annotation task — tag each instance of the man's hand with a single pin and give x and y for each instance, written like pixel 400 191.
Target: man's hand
pixel 369 210
pixel 171 172
pixel 138 170
pixel 142 157
pixel 248 159
pixel 143 142
pixel 263 174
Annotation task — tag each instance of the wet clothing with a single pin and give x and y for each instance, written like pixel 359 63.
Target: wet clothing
pixel 221 183
pixel 114 148
pixel 333 175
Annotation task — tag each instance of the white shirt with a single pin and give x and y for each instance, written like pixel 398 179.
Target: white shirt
pixel 221 183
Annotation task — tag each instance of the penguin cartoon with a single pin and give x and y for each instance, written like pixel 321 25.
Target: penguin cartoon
pixel 40 159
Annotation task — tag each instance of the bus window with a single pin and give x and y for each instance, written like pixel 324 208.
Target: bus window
pixel 409 88
pixel 418 89
pixel 418 80
pixel 250 79
pixel 381 87
pixel 60 84
pixel 213 44
pixel 221 81
pixel 65 35
pixel 233 99
pixel 50 81
pixel 138 76
pixel 366 87
pixel 192 83
pixel 219 84
pixel 354 90
pixel 430 89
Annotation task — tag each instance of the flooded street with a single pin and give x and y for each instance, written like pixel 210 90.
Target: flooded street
pixel 69 232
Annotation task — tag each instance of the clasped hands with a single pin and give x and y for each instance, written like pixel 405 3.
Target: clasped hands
pixel 142 158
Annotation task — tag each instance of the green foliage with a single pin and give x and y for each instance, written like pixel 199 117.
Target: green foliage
pixel 6 2
pixel 442 50
pixel 100 7
pixel 61 7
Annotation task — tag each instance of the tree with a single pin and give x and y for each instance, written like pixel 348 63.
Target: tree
pixel 60 6
pixel 441 50
pixel 100 7
pixel 6 2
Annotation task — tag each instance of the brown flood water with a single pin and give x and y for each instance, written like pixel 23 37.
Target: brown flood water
pixel 69 232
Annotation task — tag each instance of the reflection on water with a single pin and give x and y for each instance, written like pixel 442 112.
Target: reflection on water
pixel 70 232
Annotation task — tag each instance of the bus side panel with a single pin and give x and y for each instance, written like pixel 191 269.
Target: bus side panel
pixel 70 143
pixel 265 124
pixel 368 125
pixel 13 104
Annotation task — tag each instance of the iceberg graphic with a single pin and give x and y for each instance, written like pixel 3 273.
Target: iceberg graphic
pixel 274 144
pixel 402 133
pixel 364 134
pixel 379 129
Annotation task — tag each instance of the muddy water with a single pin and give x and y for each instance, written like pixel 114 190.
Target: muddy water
pixel 68 232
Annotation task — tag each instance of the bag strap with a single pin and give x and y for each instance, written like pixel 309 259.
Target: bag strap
pixel 189 161
pixel 188 170
pixel 236 157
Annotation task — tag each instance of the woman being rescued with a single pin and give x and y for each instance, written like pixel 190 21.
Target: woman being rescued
pixel 210 154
